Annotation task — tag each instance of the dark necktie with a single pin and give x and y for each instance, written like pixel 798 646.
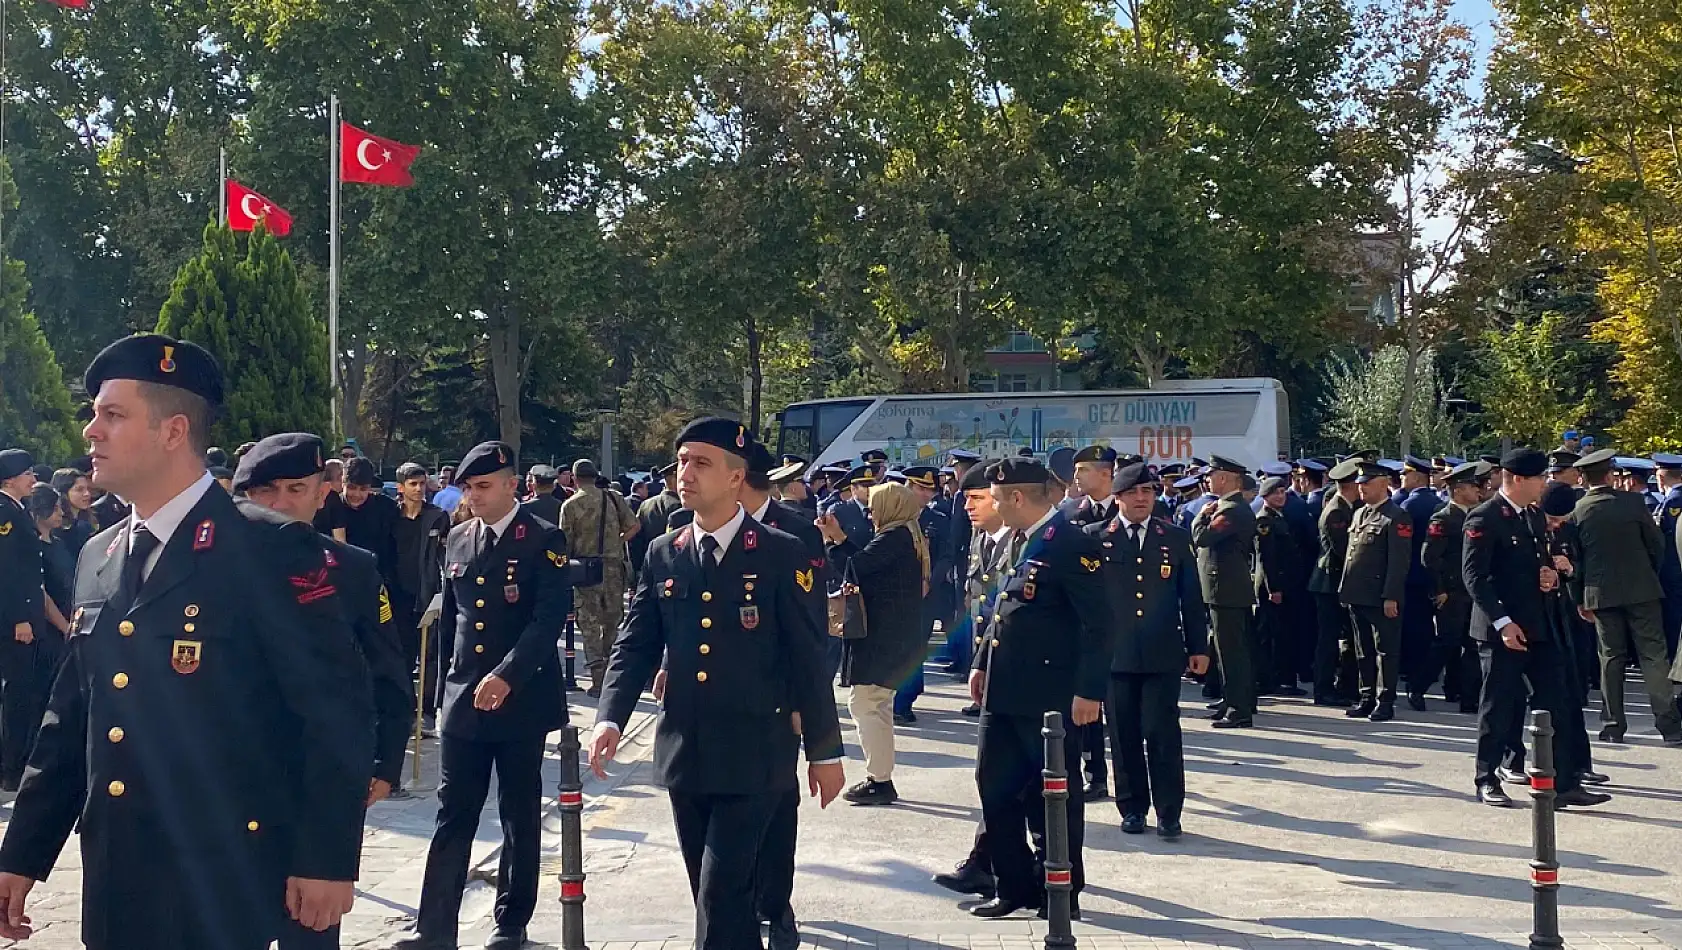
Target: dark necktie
pixel 141 547
pixel 709 555
pixel 1018 541
pixel 487 540
pixel 1134 535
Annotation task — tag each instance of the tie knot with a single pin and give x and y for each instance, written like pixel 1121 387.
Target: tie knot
pixel 143 543
pixel 709 544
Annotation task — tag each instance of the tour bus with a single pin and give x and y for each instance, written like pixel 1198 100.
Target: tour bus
pixel 1246 420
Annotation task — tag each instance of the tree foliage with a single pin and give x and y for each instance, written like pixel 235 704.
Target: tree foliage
pixel 1366 396
pixel 35 411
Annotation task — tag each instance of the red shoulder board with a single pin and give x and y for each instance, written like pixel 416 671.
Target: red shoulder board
pixel 1474 532
pixel 750 539
pixel 1218 522
pixel 331 560
pixel 816 562
pixel 1404 529
pixel 682 537
pixel 111 548
pixel 1435 530
pixel 1048 532
pixel 1506 512
pixel 519 532
pixel 205 536
pixel 1159 528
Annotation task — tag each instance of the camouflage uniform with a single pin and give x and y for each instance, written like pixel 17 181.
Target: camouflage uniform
pixel 600 609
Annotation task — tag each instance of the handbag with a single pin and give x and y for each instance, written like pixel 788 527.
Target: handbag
pixel 591 571
pixel 853 624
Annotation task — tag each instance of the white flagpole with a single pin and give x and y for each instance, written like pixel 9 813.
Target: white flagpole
pixel 222 187
pixel 333 255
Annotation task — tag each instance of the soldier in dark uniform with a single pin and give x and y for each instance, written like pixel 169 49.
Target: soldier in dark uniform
pixel 545 502
pixel 850 511
pixel 959 647
pixel 1619 581
pixel 1420 660
pixel 22 618
pixel 1457 652
pixel 1374 581
pixel 1281 586
pixel 723 602
pixel 505 595
pixel 655 513
pixel 1049 649
pixel 937 601
pixel 1334 650
pixel 1669 515
pixel 284 473
pixel 1557 504
pixel 1562 468
pixel 211 729
pixel 1161 624
pixel 1224 534
pixel 1508 572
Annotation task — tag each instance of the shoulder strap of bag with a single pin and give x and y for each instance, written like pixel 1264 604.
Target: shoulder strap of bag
pixel 601 528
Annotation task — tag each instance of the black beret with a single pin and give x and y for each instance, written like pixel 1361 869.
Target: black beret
pixel 1249 483
pixel 976 478
pixel 1130 477
pixel 1558 499
pixel 1494 460
pixel 486 458
pixel 154 358
pixel 14 462
pixel 215 457
pixel 361 471
pixel 287 455
pixel 760 459
pixel 1025 452
pixel 727 434
pixel 1096 453
pixel 1595 459
pixel 924 476
pixel 1221 463
pixel 1526 463
pixel 1018 471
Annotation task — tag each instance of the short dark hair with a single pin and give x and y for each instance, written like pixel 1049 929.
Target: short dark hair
pixel 43 499
pixel 163 402
pixel 410 470
pixel 758 481
pixel 360 471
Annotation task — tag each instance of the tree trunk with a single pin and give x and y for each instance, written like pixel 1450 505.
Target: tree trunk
pixel 1410 369
pixel 1153 363
pixel 353 378
pixel 954 368
pixel 504 342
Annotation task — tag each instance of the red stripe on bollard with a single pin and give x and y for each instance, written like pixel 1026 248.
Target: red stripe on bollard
pixel 1059 877
pixel 572 888
pixel 1056 784
pixel 572 798
pixel 1541 782
pixel 1544 876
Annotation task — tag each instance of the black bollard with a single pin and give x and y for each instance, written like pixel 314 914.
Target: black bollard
pixel 572 842
pixel 1059 872
pixel 1544 867
pixel 569 681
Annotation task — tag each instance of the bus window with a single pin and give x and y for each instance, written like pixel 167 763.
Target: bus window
pixel 809 429
pixel 834 418
pixel 795 436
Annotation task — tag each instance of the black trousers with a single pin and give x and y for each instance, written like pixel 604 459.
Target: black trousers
pixel 1570 728
pixel 1276 646
pixel 774 877
pixel 1334 654
pixel 721 837
pixel 464 783
pixel 1506 676
pixel 1377 651
pixel 23 701
pixel 1420 663
pixel 1007 773
pixel 1150 763
pixel 1092 752
pixel 1231 629
pixel 1458 653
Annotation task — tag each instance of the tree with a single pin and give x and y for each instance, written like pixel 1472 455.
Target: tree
pixel 1364 394
pixel 253 315
pixel 35 411
pixel 1524 374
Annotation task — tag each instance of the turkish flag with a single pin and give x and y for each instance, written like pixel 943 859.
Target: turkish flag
pixel 70 4
pixel 368 159
pixel 246 208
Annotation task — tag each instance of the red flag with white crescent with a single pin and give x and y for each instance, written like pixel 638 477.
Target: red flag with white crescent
pixel 247 207
pixel 70 4
pixel 368 159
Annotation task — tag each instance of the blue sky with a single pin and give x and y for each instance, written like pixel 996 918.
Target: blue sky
pixel 1480 16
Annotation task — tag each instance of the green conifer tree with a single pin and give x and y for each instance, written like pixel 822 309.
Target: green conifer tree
pixel 35 408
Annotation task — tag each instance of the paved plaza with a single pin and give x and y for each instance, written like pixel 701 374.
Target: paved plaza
pixel 1310 831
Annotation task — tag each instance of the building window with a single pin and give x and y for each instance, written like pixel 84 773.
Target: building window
pixel 1013 383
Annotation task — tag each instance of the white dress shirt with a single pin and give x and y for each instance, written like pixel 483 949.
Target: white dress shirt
pixel 501 527
pixel 724 535
pixel 164 522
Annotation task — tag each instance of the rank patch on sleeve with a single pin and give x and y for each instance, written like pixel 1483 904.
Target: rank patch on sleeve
pixel 385 605
pixel 1405 530
pixel 804 579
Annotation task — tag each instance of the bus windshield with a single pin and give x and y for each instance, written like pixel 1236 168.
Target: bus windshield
pixel 807 429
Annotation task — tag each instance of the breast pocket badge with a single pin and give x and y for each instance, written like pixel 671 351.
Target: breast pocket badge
pixel 185 656
pixel 1167 571
pixel 511 593
pixel 750 617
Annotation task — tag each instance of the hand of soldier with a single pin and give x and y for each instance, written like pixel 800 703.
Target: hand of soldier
pixel 1562 564
pixel 1549 579
pixel 1586 614
pixel 23 632
pixel 1392 609
pixel 492 690
pixel 825 781
pixel 378 791
pixel 1085 711
pixel 1439 600
pixel 977 683
pixel 1198 665
pixel 659 687
pixel 14 923
pixel 318 905
pixel 604 745
pixel 1513 636
pixel 1276 598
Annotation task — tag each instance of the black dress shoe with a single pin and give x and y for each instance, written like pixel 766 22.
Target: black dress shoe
pixel 1362 710
pixel 966 878
pixel 1383 712
pixel 422 942
pixel 1590 777
pixel 904 719
pixel 998 907
pixel 1234 721
pixel 1218 705
pixel 1611 734
pixel 785 935
pixel 972 710
pixel 1074 908
pixel 1218 711
pixel 507 940
pixel 1133 824
pixel 1095 791
pixel 1581 798
pixel 872 792
pixel 1416 702
pixel 1508 775
pixel 1494 795
pixel 1168 830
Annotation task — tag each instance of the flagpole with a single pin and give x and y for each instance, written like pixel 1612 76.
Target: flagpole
pixel 222 187
pixel 333 254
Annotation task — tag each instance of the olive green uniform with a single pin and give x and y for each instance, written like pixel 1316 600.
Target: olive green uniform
pixel 1224 534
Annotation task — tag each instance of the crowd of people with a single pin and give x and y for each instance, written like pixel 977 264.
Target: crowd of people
pixel 177 617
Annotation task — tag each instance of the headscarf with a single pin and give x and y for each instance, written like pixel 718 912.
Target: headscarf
pixel 893 505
